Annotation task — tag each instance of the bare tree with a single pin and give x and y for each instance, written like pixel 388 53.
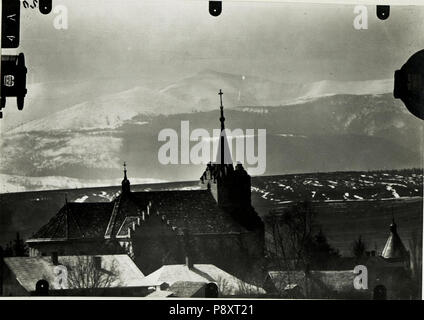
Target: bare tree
pixel 296 244
pixel 358 248
pixel 86 273
pixel 290 236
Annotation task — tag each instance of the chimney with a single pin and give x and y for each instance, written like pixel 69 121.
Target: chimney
pixel 55 258
pixel 188 262
pixel 97 262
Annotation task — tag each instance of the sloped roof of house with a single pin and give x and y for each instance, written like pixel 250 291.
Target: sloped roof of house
pixel 195 210
pixel 77 220
pixel 29 270
pixel 332 280
pixel 201 273
pixel 186 289
pixel 158 294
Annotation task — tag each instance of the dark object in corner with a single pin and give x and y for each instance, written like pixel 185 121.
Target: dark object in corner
pixel 45 6
pixel 10 23
pixel 383 12
pixel 409 84
pixel 215 8
pixel 41 288
pixel 13 79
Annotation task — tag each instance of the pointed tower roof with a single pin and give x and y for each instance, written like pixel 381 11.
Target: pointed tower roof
pixel 394 250
pixel 125 182
pixel 223 156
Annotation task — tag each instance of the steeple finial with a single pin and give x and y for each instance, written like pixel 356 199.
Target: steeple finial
pixel 125 181
pixel 393 227
pixel 393 224
pixel 222 118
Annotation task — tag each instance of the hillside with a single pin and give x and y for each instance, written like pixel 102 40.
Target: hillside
pixel 363 202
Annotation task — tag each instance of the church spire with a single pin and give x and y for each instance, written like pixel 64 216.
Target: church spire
pixel 223 157
pixel 222 118
pixel 125 181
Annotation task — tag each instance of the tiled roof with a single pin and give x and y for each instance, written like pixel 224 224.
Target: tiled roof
pixel 29 270
pixel 201 273
pixel 195 210
pixel 77 220
pixel 186 289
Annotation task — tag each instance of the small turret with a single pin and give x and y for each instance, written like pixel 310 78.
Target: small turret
pixel 125 182
pixel 394 250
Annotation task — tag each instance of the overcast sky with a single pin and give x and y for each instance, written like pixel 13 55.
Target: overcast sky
pixel 172 39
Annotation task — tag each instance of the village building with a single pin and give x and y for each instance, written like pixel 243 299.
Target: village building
pixel 198 280
pixel 101 275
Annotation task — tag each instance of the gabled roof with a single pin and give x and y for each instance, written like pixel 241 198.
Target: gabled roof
pixel 195 210
pixel 201 273
pixel 77 220
pixel 29 270
pixel 394 250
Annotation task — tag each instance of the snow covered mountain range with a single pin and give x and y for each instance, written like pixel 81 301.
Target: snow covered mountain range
pixel 322 126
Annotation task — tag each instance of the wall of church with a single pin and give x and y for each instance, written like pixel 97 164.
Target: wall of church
pixel 159 245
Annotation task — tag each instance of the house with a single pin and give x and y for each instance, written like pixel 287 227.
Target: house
pixel 106 275
pixel 215 225
pixel 199 280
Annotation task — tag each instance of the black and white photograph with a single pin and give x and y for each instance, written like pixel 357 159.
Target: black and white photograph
pixel 181 149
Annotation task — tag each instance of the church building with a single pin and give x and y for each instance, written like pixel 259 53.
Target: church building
pixel 216 224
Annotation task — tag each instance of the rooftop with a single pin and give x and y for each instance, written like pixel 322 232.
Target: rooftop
pixel 201 273
pixel 195 210
pixel 29 270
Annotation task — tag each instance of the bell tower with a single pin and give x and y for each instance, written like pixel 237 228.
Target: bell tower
pixel 230 187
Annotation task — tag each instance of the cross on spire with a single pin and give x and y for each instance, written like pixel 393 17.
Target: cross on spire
pixel 222 118
pixel 125 181
pixel 125 170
